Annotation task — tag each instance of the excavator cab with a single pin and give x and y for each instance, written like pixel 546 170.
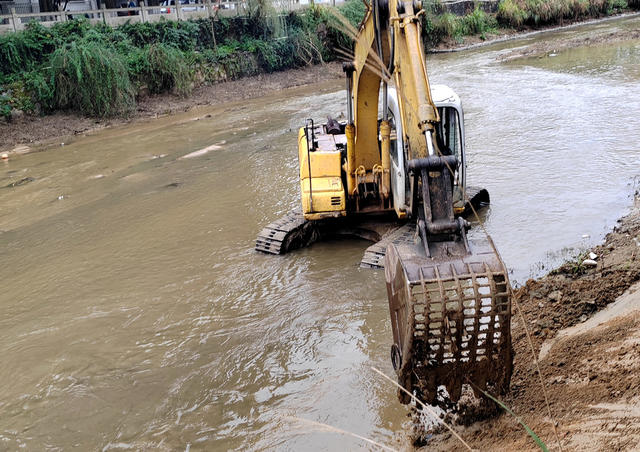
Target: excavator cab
pixel 451 131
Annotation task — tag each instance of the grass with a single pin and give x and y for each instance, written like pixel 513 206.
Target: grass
pixel 113 66
pixel 517 13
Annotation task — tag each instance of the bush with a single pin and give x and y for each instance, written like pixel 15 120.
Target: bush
pixel 25 50
pixel 477 22
pixel 91 79
pixel 510 13
pixel 516 13
pixel 353 11
pixel 161 68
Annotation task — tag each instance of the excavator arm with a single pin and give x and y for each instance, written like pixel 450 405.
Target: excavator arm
pixel 449 298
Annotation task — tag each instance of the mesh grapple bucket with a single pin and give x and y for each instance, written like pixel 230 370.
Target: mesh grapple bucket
pixel 451 320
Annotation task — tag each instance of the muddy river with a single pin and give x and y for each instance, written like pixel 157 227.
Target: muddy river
pixel 136 315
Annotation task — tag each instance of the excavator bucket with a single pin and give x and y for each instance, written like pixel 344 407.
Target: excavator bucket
pixel 450 315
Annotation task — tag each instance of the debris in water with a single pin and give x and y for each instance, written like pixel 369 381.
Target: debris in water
pixel 60 197
pixel 585 236
pixel 5 156
pixel 21 149
pixel 213 147
pixel 23 181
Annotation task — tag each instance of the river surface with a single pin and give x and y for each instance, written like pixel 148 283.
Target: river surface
pixel 134 313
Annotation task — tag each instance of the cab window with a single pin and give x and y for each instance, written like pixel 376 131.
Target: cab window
pixel 450 129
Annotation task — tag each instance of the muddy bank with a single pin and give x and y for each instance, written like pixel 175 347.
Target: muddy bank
pixel 35 130
pixel 591 370
pixel 544 48
pixel 507 34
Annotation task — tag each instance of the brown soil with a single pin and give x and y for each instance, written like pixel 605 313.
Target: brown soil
pixel 591 376
pixel 35 130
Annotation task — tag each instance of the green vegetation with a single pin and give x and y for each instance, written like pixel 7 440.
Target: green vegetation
pixel 99 71
pixel 516 13
pixel 437 27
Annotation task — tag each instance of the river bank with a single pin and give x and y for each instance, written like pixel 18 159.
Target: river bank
pixel 26 132
pixel 507 34
pixel 584 321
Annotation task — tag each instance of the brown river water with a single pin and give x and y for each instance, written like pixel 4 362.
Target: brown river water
pixel 134 313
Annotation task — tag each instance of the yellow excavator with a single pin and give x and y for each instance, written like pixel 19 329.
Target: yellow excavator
pixel 394 173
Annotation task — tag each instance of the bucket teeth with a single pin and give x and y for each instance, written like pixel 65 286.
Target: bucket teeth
pixel 451 320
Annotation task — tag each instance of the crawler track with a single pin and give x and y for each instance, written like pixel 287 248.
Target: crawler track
pixel 289 232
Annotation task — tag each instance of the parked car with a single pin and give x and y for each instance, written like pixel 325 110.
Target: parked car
pixel 193 6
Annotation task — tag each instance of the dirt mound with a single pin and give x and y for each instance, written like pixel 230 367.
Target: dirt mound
pixel 591 373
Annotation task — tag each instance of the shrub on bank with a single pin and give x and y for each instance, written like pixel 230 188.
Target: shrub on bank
pixel 92 79
pixel 99 71
pixel 516 13
pixel 160 68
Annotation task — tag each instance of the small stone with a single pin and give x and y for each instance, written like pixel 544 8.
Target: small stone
pixel 543 323
pixel 583 318
pixel 556 295
pixel 16 114
pixel 589 263
pixel 593 256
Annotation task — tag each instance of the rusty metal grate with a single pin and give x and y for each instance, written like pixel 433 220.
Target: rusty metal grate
pixel 463 318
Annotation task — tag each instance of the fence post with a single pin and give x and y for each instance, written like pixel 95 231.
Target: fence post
pixel 104 13
pixel 211 20
pixel 13 19
pixel 178 9
pixel 142 11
